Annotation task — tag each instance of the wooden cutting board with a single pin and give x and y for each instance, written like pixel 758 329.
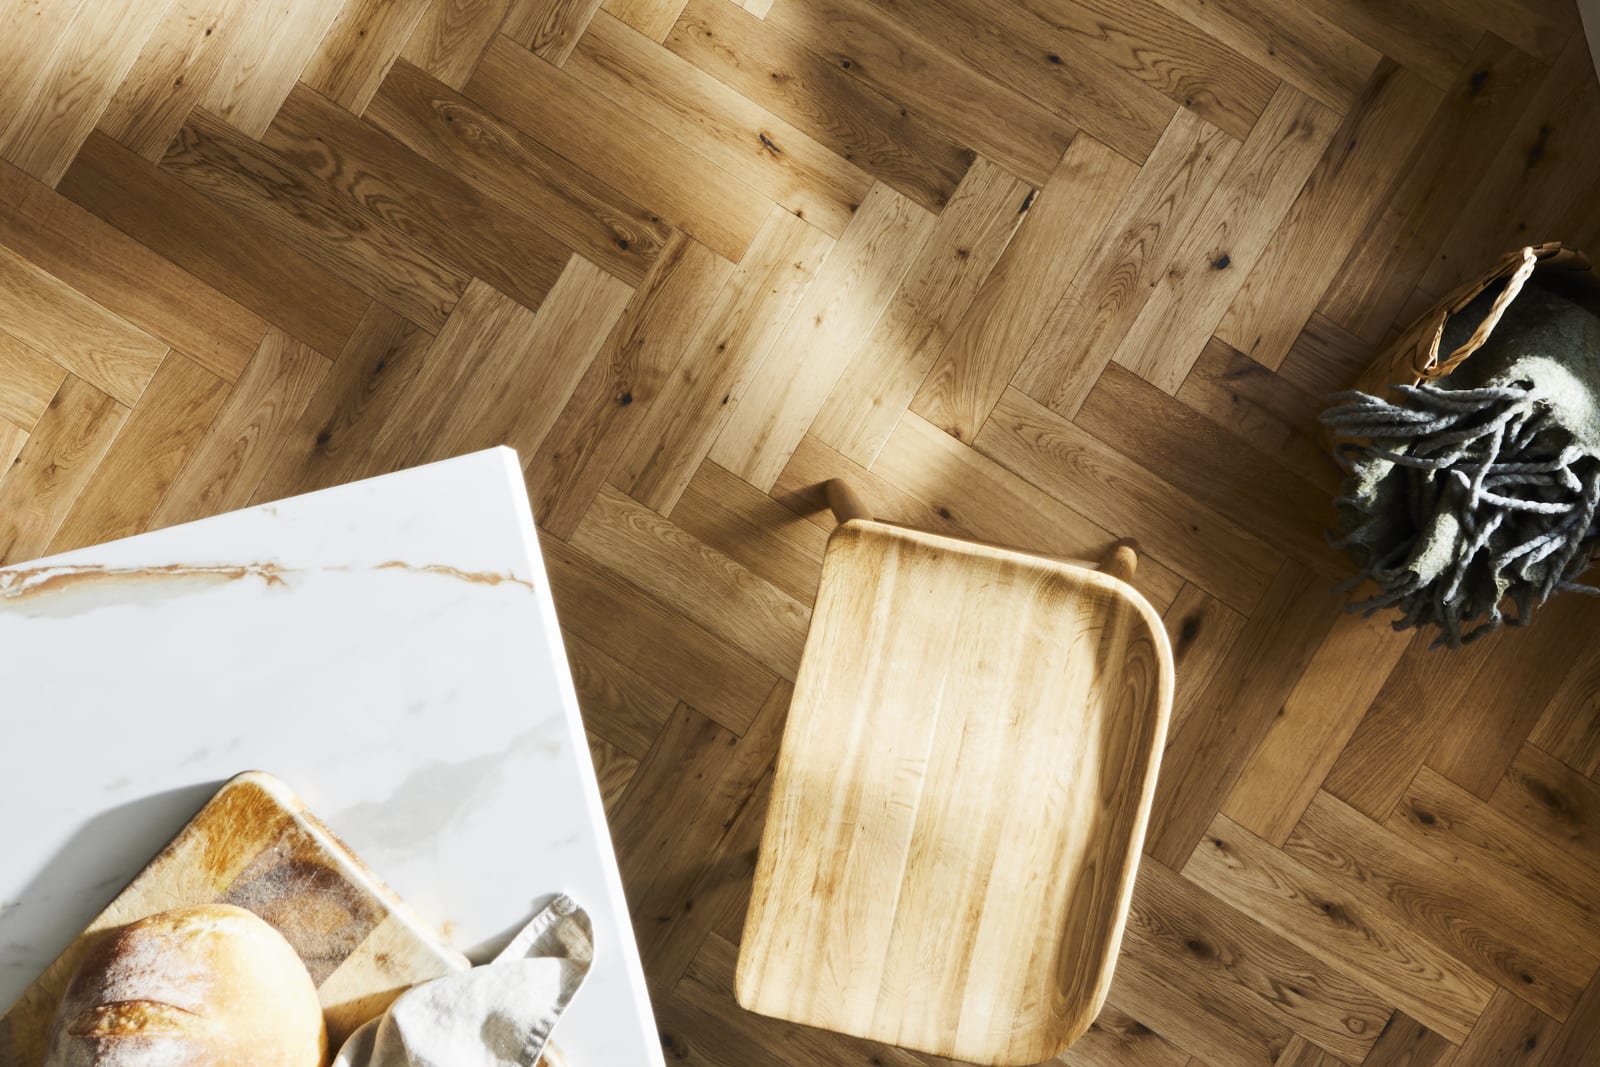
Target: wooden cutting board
pixel 255 845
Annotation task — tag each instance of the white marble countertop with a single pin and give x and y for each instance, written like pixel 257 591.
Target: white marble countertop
pixel 388 648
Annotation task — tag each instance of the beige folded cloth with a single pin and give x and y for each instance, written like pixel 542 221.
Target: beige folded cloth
pixel 497 1015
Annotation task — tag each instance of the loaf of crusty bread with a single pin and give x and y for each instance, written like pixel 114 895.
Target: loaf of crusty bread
pixel 210 986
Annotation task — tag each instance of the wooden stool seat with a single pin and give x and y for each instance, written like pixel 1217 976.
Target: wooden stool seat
pixel 960 798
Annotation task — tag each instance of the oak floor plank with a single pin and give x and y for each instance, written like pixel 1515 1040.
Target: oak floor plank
pixel 1050 247
pixel 1578 1040
pixel 1201 630
pixel 450 131
pixel 176 65
pixel 224 468
pixel 1522 951
pixel 1426 36
pixel 616 145
pixel 266 55
pixel 886 371
pixel 1544 794
pixel 1210 265
pixel 1213 465
pixel 332 441
pixel 1476 117
pixel 1509 695
pixel 29 34
pixel 1405 1042
pixel 242 176
pixel 849 293
pixel 1206 754
pixel 222 250
pixel 356 52
pixel 734 518
pixel 653 18
pixel 1221 947
pixel 686 574
pixel 618 704
pixel 619 619
pixel 674 96
pixel 58 459
pixel 611 403
pixel 1272 415
pixel 95 52
pixel 27 382
pixel 161 433
pixel 1325 707
pixel 1200 1011
pixel 1325 358
pixel 1290 40
pixel 506 370
pixel 12 438
pixel 1117 1039
pixel 1509 1033
pixel 740 329
pixel 1201 545
pixel 1008 127
pixel 1569 726
pixel 1345 925
pixel 1083 329
pixel 451 35
pixel 55 320
pixel 998 504
pixel 125 276
pixel 1525 191
pixel 894 144
pixel 425 203
pixel 1439 817
pixel 550 29
pixel 1537 28
pixel 1138 37
pixel 1333 211
pixel 1054 53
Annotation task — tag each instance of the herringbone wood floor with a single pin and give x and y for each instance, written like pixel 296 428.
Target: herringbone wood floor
pixel 1044 272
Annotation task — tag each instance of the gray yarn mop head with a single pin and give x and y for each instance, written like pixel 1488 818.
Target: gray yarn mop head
pixel 1479 488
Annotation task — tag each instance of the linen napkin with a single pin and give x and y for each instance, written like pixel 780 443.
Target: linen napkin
pixel 497 1015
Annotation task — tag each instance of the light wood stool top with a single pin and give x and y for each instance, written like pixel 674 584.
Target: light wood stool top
pixel 960 798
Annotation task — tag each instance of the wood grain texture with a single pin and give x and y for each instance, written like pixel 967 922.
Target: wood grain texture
pixel 1346 925
pixel 1050 247
pixel 153 446
pixel 358 48
pixel 603 231
pixel 224 468
pixel 126 276
pixel 623 383
pixel 674 95
pixel 96 50
pixel 27 382
pixel 861 918
pixel 745 321
pixel 52 467
pixel 1006 126
pixel 852 288
pixel 550 29
pixel 429 205
pixel 164 214
pixel 243 177
pixel 557 110
pixel 56 320
pixel 894 144
pixel 1051 53
pixel 886 371
pixel 1209 267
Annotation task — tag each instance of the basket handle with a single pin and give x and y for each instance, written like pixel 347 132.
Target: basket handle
pixel 1480 335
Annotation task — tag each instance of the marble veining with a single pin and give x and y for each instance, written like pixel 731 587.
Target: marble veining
pixel 389 649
